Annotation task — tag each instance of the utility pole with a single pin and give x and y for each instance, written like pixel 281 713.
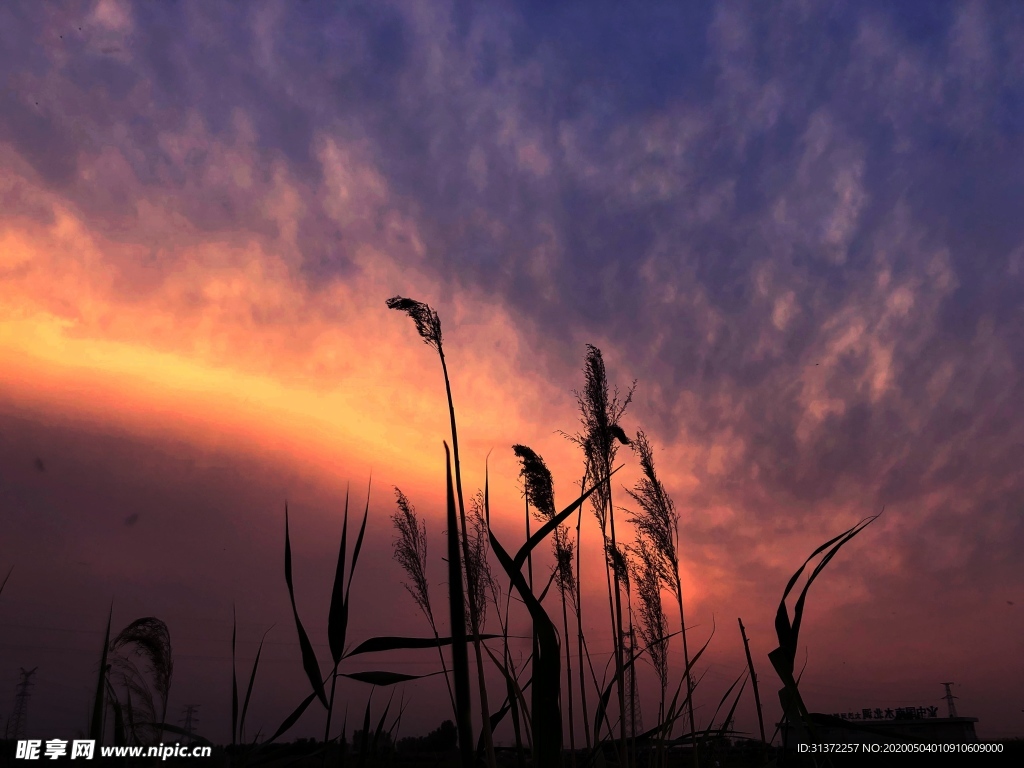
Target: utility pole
pixel 21 697
pixel 949 699
pixel 191 719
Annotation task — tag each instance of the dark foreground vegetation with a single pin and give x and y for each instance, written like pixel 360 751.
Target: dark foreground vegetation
pixel 558 714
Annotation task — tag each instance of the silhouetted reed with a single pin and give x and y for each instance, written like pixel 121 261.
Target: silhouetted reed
pixel 538 488
pixel 658 521
pixel 783 658
pixel 642 570
pixel 411 553
pixel 428 326
pixel 648 575
pixel 600 412
pixel 485 586
pixel 147 639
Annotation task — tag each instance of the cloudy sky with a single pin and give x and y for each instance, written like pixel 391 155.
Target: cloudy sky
pixel 798 228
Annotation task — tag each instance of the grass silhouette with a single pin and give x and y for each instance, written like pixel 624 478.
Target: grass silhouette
pixel 535 690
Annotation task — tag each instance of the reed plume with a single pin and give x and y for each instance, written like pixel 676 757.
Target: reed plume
pixel 600 412
pixel 538 488
pixel 411 552
pixel 482 578
pixel 649 575
pixel 147 640
pixel 658 521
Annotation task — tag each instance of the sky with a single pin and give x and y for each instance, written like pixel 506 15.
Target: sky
pixel 798 228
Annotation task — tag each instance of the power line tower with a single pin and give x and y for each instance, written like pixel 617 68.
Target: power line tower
pixel 191 718
pixel 949 699
pixel 21 697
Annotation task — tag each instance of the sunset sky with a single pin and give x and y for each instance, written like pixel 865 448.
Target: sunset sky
pixel 799 228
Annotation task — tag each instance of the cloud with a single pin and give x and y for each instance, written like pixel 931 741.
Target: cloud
pixel 796 226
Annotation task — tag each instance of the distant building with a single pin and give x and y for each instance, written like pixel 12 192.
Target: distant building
pixel 919 725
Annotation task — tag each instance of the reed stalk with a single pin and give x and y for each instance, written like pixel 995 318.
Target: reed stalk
pixel 600 413
pixel 578 609
pixel 428 325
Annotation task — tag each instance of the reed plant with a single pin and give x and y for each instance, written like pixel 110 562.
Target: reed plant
pixel 600 412
pixel 411 554
pixel 535 690
pixel 657 522
pixel 238 722
pixel 538 488
pixel 428 326
pixel 783 658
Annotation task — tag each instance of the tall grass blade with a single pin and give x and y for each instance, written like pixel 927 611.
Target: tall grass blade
pixel 359 543
pixel 515 697
pixel 383 678
pixel 721 703
pixel 545 712
pixel 753 681
pixel 724 731
pixel 234 680
pixel 397 724
pixel 309 662
pixel 364 746
pixel 380 725
pixel 252 680
pixel 394 643
pixel 511 681
pixel 783 658
pixel 337 618
pixel 293 717
pixel 456 601
pixel 115 705
pixel 99 704
pixel 9 572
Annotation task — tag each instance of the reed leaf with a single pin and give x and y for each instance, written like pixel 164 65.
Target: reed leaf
pixel 456 601
pixel 783 658
pixel 252 680
pixel 337 617
pixel 96 726
pixel 732 710
pixel 364 746
pixel 293 717
pixel 380 725
pixel 394 643
pixel 234 680
pixel 753 681
pixel 545 712
pixel 514 699
pixel 309 662
pixel 383 678
pixel 721 703
pixel 359 543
